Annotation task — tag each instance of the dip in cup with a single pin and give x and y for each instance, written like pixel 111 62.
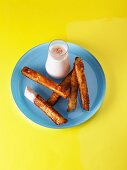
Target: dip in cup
pixel 57 64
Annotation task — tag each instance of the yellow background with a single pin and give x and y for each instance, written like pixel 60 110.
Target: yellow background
pixel 99 26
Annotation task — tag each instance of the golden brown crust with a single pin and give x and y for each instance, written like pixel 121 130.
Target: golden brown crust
pixel 79 68
pixel 49 110
pixel 72 102
pixel 65 84
pixel 39 78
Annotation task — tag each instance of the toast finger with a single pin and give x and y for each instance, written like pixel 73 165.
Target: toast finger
pixel 72 102
pixel 44 106
pixel 65 84
pixel 39 78
pixel 79 68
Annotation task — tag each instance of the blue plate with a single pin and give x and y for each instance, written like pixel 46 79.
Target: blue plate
pixel 35 59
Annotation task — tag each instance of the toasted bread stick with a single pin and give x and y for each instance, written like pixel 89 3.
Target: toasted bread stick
pixel 72 102
pixel 49 111
pixel 39 78
pixel 79 68
pixel 44 106
pixel 65 84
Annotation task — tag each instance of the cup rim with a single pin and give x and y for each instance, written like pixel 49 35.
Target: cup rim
pixel 62 41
